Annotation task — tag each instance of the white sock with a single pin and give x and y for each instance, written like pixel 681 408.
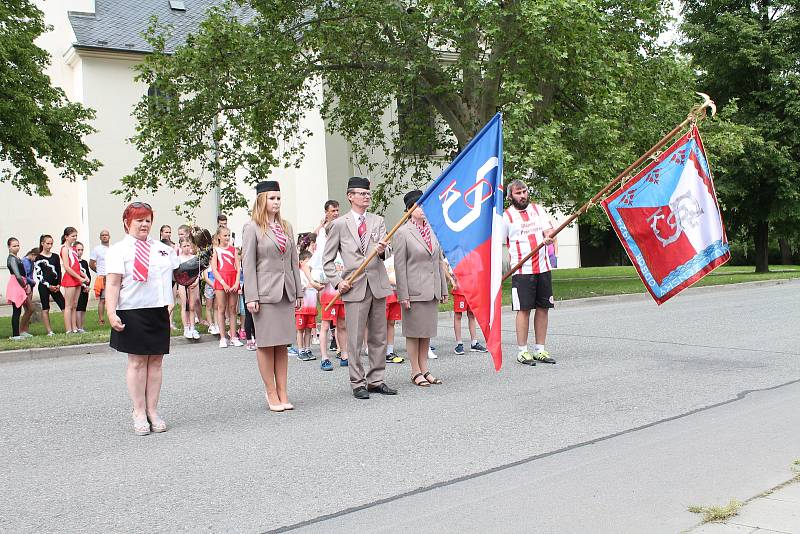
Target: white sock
pixel 522 348
pixel 538 348
pixel 473 342
pixel 389 349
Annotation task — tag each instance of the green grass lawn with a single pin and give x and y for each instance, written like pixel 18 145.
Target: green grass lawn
pixel 600 281
pixel 567 284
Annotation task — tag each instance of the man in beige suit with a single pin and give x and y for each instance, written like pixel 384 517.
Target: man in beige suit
pixel 355 235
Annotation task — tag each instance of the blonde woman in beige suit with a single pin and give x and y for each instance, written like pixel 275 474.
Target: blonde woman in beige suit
pixel 421 286
pixel 272 290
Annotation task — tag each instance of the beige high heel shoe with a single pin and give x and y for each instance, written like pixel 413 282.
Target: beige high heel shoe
pixel 273 407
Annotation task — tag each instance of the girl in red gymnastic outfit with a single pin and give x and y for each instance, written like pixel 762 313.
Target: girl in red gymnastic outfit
pixel 226 265
pixel 72 279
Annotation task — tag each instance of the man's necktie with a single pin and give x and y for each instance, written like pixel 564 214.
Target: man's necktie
pixel 141 260
pixel 362 232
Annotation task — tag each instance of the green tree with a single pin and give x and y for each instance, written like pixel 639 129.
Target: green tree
pixel 748 56
pixel 37 123
pixel 584 86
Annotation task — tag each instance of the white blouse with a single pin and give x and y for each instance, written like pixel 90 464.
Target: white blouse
pixel 156 291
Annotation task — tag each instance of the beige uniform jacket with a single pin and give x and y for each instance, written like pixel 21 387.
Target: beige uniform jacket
pixel 268 273
pixel 418 270
pixel 343 238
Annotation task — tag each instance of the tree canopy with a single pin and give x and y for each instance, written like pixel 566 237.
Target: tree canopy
pixel 748 57
pixel 37 123
pixel 584 87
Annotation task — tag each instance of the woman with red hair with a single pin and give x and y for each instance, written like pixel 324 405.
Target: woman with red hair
pixel 139 273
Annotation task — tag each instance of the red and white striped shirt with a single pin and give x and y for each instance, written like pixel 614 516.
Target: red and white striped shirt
pixel 523 231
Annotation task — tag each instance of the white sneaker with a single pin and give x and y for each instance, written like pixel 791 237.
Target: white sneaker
pixel 51 333
pixel 80 331
pixel 223 343
pixel 432 355
pixel 26 334
pixel 195 333
pixel 16 338
pixel 187 333
pixel 236 342
pixel 213 330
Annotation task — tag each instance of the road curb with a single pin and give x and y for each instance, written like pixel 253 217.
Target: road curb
pixel 44 353
pixel 103 348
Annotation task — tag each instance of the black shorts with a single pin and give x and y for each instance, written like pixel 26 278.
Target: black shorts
pixel 529 291
pixel 45 295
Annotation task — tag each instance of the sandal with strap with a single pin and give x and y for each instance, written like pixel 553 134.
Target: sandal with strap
pixel 432 379
pixel 157 424
pixel 141 427
pixel 422 383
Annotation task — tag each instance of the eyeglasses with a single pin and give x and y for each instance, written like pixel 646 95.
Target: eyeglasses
pixel 141 205
pixel 362 193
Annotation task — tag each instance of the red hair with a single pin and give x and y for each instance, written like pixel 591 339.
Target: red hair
pixel 136 210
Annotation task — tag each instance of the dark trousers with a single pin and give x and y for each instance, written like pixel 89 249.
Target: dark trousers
pixel 15 313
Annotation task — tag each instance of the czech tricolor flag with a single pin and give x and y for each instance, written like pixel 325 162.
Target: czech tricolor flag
pixel 668 219
pixel 464 207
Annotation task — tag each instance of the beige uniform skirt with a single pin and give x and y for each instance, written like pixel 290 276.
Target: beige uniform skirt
pixel 420 320
pixel 274 323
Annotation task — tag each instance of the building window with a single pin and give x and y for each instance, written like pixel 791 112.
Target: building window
pixel 158 99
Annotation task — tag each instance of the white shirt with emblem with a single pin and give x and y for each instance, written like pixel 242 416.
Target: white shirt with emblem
pixel 523 231
pixel 156 291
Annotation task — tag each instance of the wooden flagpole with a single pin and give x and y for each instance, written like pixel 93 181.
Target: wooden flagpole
pixel 355 274
pixel 697 112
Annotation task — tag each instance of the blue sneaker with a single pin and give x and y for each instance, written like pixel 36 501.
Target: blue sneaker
pixel 477 347
pixel 343 363
pixel 459 349
pixel 293 352
pixel 326 365
pixel 307 355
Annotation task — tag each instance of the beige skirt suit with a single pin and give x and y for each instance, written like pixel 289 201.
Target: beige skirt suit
pixel 271 278
pixel 420 279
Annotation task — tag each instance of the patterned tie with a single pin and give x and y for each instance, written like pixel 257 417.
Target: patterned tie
pixel 425 230
pixel 141 260
pixel 280 237
pixel 362 232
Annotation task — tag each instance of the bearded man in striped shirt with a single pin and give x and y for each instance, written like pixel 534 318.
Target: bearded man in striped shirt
pixel 526 225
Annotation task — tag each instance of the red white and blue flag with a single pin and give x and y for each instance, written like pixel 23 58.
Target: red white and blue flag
pixel 668 219
pixel 464 207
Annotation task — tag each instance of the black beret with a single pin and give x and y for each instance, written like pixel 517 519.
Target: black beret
pixel 357 182
pixel 411 197
pixel 269 185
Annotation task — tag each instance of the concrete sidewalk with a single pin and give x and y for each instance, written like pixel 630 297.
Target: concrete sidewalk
pixel 776 511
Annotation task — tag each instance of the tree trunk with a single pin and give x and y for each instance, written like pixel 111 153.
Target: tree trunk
pixel 786 251
pixel 762 249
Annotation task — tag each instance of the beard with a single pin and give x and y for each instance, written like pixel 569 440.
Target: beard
pixel 521 205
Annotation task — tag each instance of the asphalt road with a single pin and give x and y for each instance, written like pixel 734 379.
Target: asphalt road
pixel 646 412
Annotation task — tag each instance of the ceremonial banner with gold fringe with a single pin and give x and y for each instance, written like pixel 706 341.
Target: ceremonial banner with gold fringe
pixel 668 219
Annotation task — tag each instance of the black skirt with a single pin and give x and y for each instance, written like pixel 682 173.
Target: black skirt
pixel 146 332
